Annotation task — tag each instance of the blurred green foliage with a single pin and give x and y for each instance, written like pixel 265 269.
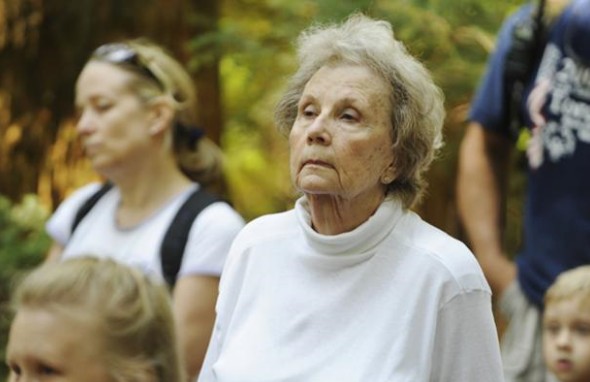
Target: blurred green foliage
pixel 23 245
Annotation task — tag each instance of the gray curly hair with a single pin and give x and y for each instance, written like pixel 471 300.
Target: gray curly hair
pixel 418 104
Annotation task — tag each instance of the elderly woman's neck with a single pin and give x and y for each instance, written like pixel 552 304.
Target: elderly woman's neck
pixel 332 215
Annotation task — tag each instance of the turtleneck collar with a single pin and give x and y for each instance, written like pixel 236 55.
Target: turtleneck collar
pixel 358 241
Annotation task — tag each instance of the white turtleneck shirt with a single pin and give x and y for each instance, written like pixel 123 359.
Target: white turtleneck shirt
pixel 396 299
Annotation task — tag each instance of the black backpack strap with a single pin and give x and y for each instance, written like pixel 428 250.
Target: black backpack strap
pixel 175 239
pixel 528 40
pixel 89 203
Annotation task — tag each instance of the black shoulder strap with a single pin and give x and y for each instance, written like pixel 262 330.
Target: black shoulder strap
pixel 176 237
pixel 89 203
pixel 526 49
pixel 174 242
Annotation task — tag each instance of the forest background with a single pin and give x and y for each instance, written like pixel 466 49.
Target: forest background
pixel 240 53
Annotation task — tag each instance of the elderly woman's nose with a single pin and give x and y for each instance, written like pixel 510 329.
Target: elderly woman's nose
pixel 318 131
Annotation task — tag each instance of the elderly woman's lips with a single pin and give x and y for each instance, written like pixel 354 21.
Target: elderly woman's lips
pixel 316 163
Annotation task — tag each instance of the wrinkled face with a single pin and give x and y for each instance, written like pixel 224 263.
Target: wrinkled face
pixel 113 122
pixel 566 340
pixel 48 346
pixel 341 141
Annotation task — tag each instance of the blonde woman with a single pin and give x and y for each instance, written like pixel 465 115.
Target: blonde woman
pixel 137 118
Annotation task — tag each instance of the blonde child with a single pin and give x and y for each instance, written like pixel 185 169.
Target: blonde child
pixel 566 326
pixel 92 320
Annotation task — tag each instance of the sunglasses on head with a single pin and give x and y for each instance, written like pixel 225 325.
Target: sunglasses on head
pixel 124 54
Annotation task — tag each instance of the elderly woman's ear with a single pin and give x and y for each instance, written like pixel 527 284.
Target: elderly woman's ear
pixel 389 174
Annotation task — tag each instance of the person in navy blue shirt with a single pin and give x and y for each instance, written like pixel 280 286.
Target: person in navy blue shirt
pixel 555 107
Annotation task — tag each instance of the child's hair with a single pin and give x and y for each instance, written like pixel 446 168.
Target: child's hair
pixel 132 313
pixel 574 283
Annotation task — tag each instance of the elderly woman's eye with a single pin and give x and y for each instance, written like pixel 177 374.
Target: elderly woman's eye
pixel 308 111
pixel 14 368
pixel 44 369
pixel 349 115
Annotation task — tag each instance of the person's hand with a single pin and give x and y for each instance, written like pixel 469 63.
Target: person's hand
pixel 536 101
pixel 499 271
pixel 534 150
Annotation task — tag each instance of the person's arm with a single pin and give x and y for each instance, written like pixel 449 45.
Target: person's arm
pixel 54 253
pixel 466 346
pixel 481 187
pixel 194 311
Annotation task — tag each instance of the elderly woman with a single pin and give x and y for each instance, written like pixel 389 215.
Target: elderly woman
pixel 137 116
pixel 351 285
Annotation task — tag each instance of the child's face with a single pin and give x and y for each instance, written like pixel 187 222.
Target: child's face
pixel 566 340
pixel 48 346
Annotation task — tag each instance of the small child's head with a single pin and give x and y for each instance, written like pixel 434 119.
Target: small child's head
pixel 93 320
pixel 566 326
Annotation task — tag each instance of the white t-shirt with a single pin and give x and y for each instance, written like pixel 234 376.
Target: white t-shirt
pixel 396 300
pixel 97 234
